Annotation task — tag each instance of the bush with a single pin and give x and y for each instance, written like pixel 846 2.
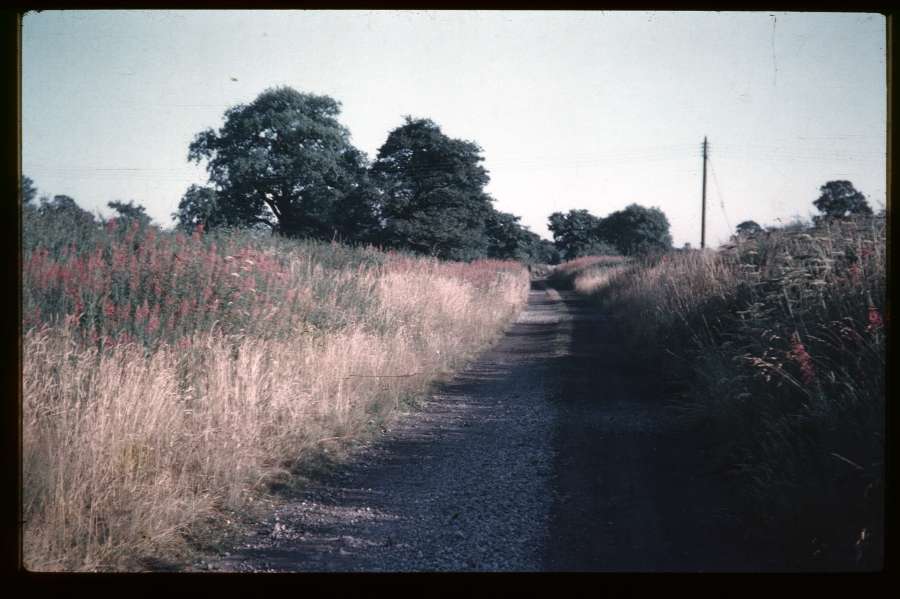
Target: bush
pixel 781 340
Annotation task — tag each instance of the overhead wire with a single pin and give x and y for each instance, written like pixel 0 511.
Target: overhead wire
pixel 719 192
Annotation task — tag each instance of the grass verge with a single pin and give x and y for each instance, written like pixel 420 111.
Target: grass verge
pixel 773 348
pixel 170 380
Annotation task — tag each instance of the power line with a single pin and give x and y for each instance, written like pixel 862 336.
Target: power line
pixel 719 193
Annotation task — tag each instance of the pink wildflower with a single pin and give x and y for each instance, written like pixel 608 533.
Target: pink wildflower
pixel 141 314
pixel 875 320
pixel 123 312
pixel 153 323
pixel 109 309
pixel 799 354
pixel 855 273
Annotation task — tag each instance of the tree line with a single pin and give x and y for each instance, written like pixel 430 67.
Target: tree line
pixel 284 163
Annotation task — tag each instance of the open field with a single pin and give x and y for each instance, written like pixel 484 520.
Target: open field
pixel 168 378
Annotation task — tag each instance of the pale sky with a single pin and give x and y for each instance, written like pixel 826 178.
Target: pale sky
pixel 592 110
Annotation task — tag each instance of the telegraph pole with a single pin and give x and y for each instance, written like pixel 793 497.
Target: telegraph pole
pixel 703 209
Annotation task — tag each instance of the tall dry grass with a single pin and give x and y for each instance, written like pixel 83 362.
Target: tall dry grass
pixel 135 429
pixel 778 344
pixel 585 274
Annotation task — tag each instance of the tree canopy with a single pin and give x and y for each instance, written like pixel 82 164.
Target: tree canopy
pixel 128 212
pixel 748 227
pixel 59 219
pixel 637 230
pixel 634 230
pixel 840 199
pixel 431 188
pixel 283 161
pixel 575 233
pixel 28 190
pixel 199 206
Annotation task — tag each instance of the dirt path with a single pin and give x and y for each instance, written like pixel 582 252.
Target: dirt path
pixel 550 452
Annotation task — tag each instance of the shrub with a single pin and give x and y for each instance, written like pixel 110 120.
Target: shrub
pixel 781 339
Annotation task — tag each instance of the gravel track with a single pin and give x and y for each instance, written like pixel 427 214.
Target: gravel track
pixel 461 484
pixel 549 452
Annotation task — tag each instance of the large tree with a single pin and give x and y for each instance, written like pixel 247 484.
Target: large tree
pixel 840 199
pixel 283 161
pixel 431 191
pixel 636 230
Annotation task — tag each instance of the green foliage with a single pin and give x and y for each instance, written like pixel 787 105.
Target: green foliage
pixel 575 233
pixel 778 344
pixel 509 240
pixel 840 199
pixel 199 206
pixel 636 230
pixel 283 161
pixel 432 192
pixel 130 213
pixel 28 190
pixel 61 220
pixel 748 227
pixel 545 252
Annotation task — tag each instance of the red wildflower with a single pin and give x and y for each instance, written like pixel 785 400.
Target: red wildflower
pixel 119 257
pixel 799 355
pixel 184 309
pixel 153 323
pixel 124 311
pixel 141 314
pixel 134 274
pixel 109 309
pixel 875 320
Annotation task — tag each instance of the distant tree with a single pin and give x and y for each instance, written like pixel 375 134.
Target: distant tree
pixel 508 239
pixel 431 192
pixel 200 206
pixel 57 222
pixel 545 252
pixel 63 206
pixel 283 161
pixel 840 199
pixel 748 227
pixel 29 191
pixel 128 212
pixel 636 230
pixel 575 233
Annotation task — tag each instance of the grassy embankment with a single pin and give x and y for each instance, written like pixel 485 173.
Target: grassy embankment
pixel 777 348
pixel 169 378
